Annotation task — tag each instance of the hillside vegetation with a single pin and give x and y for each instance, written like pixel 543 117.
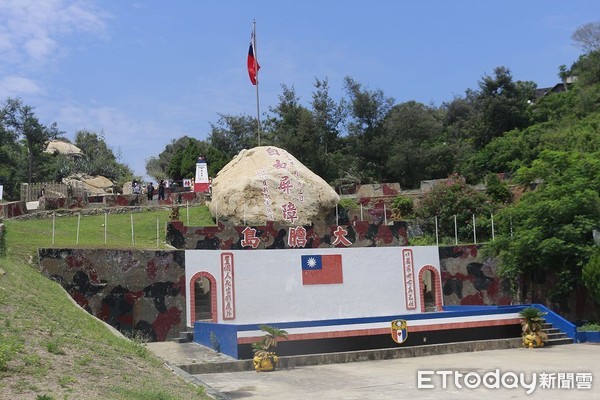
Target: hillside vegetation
pixel 52 349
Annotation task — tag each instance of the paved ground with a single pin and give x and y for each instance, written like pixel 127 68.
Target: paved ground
pixel 566 365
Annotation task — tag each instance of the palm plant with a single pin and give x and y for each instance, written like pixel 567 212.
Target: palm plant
pixel 532 322
pixel 265 358
pixel 268 342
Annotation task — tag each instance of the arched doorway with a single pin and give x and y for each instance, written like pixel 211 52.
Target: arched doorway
pixel 203 297
pixel 431 290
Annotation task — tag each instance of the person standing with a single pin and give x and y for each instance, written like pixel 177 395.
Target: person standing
pixel 150 191
pixel 161 190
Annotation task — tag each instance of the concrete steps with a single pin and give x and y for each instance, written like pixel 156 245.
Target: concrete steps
pixel 555 336
pixel 185 337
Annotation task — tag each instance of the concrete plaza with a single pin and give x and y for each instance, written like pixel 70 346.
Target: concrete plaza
pixel 566 368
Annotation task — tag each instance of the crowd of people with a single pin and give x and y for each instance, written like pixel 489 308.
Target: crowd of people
pixel 150 189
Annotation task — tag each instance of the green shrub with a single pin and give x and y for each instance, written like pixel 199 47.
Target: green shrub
pixel 403 204
pixel 590 326
pixel 348 204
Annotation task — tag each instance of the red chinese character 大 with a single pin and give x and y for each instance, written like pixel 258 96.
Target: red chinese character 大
pixel 340 237
pixel 250 238
pixel 297 237
pixel 285 184
pixel 290 213
pixel 279 164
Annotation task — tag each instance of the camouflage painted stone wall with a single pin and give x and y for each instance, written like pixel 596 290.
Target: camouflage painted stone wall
pixel 13 209
pixel 470 279
pixel 276 236
pixel 136 291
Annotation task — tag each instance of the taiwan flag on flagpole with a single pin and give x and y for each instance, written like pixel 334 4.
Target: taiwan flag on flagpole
pixel 253 66
pixel 323 269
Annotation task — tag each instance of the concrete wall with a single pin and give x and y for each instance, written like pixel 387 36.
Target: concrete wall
pixel 132 290
pixel 268 284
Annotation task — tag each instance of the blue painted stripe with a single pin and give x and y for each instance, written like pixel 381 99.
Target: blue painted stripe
pixel 456 312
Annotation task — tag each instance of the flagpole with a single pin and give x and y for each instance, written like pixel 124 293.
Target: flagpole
pixel 256 69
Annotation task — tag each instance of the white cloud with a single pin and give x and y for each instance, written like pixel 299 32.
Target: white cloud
pixel 134 139
pixel 15 86
pixel 30 30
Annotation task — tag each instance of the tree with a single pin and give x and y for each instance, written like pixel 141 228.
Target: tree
pixel 367 141
pixel 97 159
pixel 453 198
pixel 294 129
pixel 158 167
pixel 591 277
pixel 503 104
pixel 328 116
pixel 20 122
pixel 497 190
pixel 551 226
pixel 587 37
pixel 410 129
pixel 183 162
pixel 231 134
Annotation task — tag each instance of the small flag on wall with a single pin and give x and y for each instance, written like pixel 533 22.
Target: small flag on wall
pixel 323 269
pixel 253 66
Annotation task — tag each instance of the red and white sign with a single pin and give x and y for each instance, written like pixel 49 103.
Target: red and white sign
pixel 227 286
pixel 409 279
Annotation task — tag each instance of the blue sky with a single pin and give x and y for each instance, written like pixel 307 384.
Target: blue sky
pixel 147 72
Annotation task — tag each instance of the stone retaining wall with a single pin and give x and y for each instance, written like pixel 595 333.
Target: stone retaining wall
pixel 139 292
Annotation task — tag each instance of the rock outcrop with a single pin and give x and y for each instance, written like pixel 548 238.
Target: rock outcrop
pixel 93 185
pixel 269 184
pixel 64 148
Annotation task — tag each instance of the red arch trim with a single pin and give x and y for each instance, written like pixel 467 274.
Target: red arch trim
pixel 213 296
pixel 436 279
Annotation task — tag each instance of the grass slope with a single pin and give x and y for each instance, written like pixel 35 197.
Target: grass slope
pixel 52 349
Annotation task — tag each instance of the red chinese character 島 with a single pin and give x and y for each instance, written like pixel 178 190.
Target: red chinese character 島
pixel 250 238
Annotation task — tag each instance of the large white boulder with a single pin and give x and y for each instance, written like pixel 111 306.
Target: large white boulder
pixel 269 184
pixel 65 148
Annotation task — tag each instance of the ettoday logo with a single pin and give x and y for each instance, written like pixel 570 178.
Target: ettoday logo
pixel 496 379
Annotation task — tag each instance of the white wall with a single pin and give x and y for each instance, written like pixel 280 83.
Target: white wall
pixel 268 283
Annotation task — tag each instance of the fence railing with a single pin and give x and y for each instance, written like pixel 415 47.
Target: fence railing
pixel 33 191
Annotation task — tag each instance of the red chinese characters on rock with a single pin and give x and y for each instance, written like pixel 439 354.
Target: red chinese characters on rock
pixel 340 237
pixel 249 238
pixel 285 184
pixel 289 212
pixel 272 152
pixel 297 237
pixel 262 175
pixel 280 165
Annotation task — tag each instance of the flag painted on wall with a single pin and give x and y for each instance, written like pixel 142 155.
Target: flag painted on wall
pixel 253 66
pixel 323 269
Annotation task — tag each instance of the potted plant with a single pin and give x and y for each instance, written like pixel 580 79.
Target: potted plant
pixel 265 358
pixel 532 322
